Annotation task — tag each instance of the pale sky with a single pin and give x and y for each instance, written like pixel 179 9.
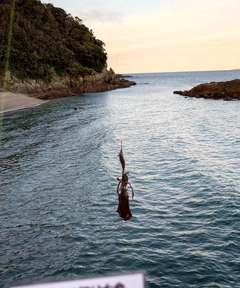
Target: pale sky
pixel 163 35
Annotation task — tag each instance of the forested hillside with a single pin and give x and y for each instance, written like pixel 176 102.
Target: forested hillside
pixel 48 41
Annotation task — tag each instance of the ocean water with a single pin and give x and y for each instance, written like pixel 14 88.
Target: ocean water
pixel 58 200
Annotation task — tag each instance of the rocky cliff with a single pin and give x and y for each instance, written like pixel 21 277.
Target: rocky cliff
pixel 65 86
pixel 228 90
pixel 52 54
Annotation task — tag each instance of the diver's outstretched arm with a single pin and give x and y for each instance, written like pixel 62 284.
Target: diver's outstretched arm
pixel 131 188
pixel 118 185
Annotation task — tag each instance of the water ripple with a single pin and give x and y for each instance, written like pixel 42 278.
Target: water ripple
pixel 58 186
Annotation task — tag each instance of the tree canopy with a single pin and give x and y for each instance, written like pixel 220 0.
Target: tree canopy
pixel 48 41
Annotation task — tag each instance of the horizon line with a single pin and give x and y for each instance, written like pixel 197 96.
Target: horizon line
pixel 182 71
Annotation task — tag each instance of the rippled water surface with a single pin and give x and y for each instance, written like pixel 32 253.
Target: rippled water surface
pixel 58 201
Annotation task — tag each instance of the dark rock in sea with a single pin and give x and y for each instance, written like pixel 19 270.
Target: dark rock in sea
pixel 228 90
pixel 125 76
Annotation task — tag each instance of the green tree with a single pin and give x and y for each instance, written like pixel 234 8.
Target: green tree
pixel 47 40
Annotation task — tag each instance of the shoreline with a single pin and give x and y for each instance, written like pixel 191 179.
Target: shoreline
pixel 15 101
pixel 19 99
pixel 32 92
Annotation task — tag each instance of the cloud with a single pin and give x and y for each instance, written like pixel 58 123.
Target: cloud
pixel 102 16
pixel 92 11
pixel 96 11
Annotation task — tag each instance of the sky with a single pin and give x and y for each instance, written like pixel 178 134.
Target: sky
pixel 163 35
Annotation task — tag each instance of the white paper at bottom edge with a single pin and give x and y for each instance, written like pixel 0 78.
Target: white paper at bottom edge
pixel 130 280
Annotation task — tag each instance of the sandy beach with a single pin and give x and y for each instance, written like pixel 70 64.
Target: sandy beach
pixel 13 101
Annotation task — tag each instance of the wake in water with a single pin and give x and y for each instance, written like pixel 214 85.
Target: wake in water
pixel 123 199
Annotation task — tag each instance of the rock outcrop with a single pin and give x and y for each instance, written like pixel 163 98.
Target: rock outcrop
pixel 228 90
pixel 64 86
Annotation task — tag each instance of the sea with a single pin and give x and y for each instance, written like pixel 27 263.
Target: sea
pixel 58 186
